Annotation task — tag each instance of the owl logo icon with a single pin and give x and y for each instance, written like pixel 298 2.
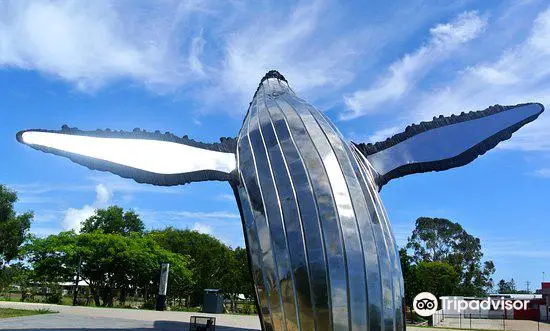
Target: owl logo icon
pixel 425 304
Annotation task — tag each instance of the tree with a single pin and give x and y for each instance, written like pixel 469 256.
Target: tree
pixel 244 277
pixel 16 274
pixel 504 287
pixel 14 227
pixel 113 220
pixel 111 264
pixel 512 285
pixel 213 263
pixel 438 278
pixel 54 258
pixel 13 274
pixel 237 279
pixel 440 240
pixel 412 287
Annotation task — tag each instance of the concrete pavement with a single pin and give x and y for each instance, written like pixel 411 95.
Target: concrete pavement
pixel 112 319
pixel 107 319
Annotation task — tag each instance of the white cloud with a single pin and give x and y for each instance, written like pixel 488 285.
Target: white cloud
pixel 383 134
pixel 226 197
pixel 162 46
pixel 75 216
pixel 91 43
pixel 195 53
pixel 129 186
pixel 202 228
pixel 41 193
pixel 544 172
pixel 403 74
pixel 464 28
pixel 41 188
pixel 169 45
pixel 520 74
pixel 493 76
pixel 218 51
pixel 290 45
pixel 170 216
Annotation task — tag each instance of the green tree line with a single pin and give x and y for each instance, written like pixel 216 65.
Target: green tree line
pixel 118 258
pixel 114 254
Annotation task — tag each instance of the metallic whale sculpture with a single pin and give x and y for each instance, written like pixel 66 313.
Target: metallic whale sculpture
pixel 321 249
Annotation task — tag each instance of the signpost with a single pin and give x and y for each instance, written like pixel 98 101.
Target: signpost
pixel 163 285
pixel 77 281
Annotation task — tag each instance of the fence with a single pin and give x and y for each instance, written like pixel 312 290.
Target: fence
pixel 484 322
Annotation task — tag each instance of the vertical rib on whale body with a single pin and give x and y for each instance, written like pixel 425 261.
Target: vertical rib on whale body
pixel 322 253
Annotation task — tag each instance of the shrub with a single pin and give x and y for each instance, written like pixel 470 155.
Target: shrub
pixel 27 295
pixel 149 304
pixel 53 298
pixel 53 295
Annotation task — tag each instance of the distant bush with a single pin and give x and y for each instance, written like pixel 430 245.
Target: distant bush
pixel 27 295
pixel 246 309
pixel 187 309
pixel 53 294
pixel 53 298
pixel 149 304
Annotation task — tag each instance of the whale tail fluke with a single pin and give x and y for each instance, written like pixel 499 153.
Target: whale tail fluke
pixel 147 157
pixel 446 142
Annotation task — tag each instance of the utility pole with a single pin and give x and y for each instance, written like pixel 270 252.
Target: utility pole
pixel 528 283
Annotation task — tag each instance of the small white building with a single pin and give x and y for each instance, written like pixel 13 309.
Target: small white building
pixel 68 287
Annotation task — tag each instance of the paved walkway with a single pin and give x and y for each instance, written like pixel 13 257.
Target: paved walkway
pixel 107 319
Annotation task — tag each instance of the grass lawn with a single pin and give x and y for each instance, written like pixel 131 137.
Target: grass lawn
pixel 8 312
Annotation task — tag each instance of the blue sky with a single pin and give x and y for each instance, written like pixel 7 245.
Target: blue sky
pixel 191 67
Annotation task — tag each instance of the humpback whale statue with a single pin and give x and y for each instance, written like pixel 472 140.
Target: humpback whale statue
pixel 321 249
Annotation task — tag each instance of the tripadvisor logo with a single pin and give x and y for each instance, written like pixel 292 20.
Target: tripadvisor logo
pixel 425 304
pixel 486 304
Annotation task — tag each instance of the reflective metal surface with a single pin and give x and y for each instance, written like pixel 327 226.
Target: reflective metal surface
pixel 446 142
pixel 322 251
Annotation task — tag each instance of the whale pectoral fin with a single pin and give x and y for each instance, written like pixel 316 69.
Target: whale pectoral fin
pixel 153 158
pixel 446 142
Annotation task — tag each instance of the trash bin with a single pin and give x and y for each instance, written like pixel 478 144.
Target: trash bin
pixel 213 301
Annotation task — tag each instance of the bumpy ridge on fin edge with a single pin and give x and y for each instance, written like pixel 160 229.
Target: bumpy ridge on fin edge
pixel 226 144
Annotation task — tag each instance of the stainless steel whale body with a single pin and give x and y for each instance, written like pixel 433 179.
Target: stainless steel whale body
pixel 321 249
pixel 322 252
